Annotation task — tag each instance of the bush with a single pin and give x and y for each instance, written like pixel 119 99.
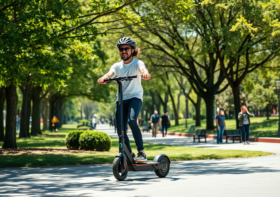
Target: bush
pixel 84 121
pixel 202 117
pixel 72 139
pixel 94 140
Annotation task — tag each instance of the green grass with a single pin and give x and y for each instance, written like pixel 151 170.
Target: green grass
pixel 260 127
pixel 63 130
pixel 176 153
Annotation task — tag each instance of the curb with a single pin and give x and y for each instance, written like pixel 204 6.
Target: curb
pixel 211 136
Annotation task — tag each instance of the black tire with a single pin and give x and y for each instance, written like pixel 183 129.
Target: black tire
pixel 117 166
pixel 165 170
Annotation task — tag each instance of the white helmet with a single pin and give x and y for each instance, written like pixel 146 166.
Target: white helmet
pixel 128 41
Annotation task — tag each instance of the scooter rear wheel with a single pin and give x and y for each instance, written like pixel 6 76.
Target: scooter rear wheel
pixel 165 170
pixel 119 174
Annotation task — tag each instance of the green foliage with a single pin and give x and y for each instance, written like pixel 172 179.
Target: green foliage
pixel 202 117
pixel 84 121
pixel 72 139
pixel 94 140
pixel 261 84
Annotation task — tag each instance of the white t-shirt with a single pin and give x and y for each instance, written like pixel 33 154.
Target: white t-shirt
pixel 94 120
pixel 133 88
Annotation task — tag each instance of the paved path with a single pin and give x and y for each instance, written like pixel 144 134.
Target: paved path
pixel 258 177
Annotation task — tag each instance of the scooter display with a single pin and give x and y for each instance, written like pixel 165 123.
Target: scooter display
pixel 124 161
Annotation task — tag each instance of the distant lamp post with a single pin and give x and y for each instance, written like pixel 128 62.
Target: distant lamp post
pixel 187 108
pixel 277 84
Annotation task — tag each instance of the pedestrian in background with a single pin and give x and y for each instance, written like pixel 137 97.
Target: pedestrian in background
pixel 164 122
pixel 94 121
pixel 221 126
pixel 155 123
pixel 244 124
pixel 55 122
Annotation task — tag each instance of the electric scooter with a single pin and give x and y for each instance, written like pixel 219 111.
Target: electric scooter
pixel 124 161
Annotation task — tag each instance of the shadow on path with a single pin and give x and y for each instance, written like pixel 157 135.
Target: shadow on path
pixel 86 179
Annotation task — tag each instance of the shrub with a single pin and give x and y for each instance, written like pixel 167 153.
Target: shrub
pixel 72 139
pixel 103 142
pixel 202 117
pixel 94 140
pixel 84 121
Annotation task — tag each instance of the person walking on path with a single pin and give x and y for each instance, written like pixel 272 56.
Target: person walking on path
pixel 132 91
pixel 155 123
pixel 164 121
pixel 221 126
pixel 54 123
pixel 244 124
pixel 94 121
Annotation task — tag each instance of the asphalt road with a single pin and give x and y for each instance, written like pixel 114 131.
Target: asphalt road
pixel 258 177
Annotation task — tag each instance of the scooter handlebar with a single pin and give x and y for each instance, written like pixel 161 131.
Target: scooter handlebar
pixel 127 78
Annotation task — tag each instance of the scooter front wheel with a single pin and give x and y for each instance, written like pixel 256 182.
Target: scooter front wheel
pixel 119 172
pixel 163 172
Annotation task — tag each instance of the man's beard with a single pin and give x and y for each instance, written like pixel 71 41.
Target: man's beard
pixel 125 59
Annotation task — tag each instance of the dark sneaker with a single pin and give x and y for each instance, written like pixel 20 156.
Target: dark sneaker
pixel 141 157
pixel 133 156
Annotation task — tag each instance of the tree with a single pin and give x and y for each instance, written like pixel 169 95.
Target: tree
pixel 224 39
pixel 31 27
pixel 260 86
pixel 2 101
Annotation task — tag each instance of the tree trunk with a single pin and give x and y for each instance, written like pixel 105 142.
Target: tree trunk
pixel 53 110
pixel 46 112
pixel 157 104
pixel 267 116
pixel 197 112
pixel 10 137
pixel 174 106
pixel 25 110
pixel 36 129
pixel 178 103
pixel 2 102
pixel 209 101
pixel 187 111
pixel 237 106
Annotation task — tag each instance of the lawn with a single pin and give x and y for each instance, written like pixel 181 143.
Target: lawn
pixel 260 127
pixel 176 153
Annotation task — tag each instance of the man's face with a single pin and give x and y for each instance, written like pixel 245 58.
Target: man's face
pixel 125 51
pixel 155 112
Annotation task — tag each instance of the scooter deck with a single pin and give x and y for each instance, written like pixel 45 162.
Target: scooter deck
pixel 145 164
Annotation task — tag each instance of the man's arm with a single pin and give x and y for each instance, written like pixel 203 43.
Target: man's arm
pixel 145 74
pixel 108 75
pixel 217 124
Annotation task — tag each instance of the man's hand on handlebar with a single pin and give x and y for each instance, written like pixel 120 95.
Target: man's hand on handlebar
pixel 145 76
pixel 101 80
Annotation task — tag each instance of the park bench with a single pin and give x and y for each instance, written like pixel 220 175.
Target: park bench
pixel 147 127
pixel 200 133
pixel 233 134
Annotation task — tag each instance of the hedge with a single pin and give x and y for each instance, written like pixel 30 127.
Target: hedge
pixel 72 139
pixel 94 140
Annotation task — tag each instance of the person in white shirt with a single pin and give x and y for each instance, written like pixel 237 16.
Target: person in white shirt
pixel 132 91
pixel 94 121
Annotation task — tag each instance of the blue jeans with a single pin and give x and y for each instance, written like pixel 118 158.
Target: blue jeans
pixel 131 110
pixel 163 128
pixel 220 134
pixel 245 132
